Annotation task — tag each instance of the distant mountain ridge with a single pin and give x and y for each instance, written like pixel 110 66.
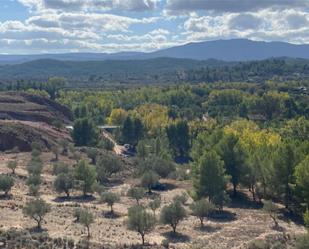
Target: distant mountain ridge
pixel 226 50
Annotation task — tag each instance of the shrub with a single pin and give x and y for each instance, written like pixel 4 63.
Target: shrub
pixel 149 178
pixel 55 150
pixel 302 242
pixel 35 167
pixel 92 153
pixel 201 209
pixel 6 183
pixel 107 165
pixel 183 198
pixel 64 183
pixel 173 214
pixel 140 220
pixel 136 193
pixel 34 189
pixel 110 198
pixel 106 144
pixel 34 180
pixel 36 209
pixel 158 165
pixel 12 165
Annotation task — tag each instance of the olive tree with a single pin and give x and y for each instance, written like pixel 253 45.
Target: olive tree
pixel 149 178
pixel 140 220
pixel 6 183
pixel 12 165
pixel 154 205
pixel 87 175
pixel 36 209
pixel 272 210
pixel 201 209
pixel 110 198
pixel 64 183
pixel 86 218
pixel 136 193
pixel 173 214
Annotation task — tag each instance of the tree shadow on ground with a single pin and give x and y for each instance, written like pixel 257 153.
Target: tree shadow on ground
pixel 241 200
pixel 160 187
pixel 207 228
pixel 36 230
pixel 288 215
pixel 176 237
pixel 222 216
pixel 111 215
pixel 6 197
pixel 79 199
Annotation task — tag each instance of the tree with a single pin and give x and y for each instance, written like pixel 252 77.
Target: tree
pixel 302 179
pixel 149 178
pixel 117 117
pixel 210 178
pixel 272 210
pixel 92 153
pixel 110 198
pixel 86 218
pixel 60 168
pixel 12 165
pixel 201 209
pixel 85 133
pixel 173 214
pixel 154 205
pixel 64 183
pixel 55 150
pixel 136 193
pixel 141 221
pixel 160 166
pixel 183 198
pixel 232 156
pixel 179 139
pixel 6 183
pixel 86 174
pixel 36 209
pixel 283 171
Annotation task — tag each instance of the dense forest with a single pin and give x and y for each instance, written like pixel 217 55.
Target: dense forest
pixel 160 71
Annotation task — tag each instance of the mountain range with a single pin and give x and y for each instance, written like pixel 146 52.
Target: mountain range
pixel 226 50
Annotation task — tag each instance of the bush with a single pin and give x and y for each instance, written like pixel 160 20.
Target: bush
pixel 149 179
pixel 64 183
pixel 106 144
pixel 6 183
pixel 110 198
pixel 34 180
pixel 92 153
pixel 158 165
pixel 302 242
pixel 258 244
pixel 201 209
pixel 34 189
pixel 136 193
pixel 36 209
pixel 107 165
pixel 35 167
pixel 183 198
pixel 172 215
pixel 12 165
pixel 141 221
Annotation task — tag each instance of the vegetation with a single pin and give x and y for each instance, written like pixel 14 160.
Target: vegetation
pixel 173 214
pixel 110 198
pixel 140 221
pixel 6 183
pixel 136 193
pixel 201 209
pixel 36 209
pixel 12 165
pixel 86 174
pixel 86 218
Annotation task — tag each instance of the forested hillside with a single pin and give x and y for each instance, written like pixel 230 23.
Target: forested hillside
pixel 154 71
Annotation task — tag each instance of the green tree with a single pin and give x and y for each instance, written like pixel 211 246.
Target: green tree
pixel 92 153
pixel 108 165
pixel 86 218
pixel 86 174
pixel 148 179
pixel 85 133
pixel 201 209
pixel 210 178
pixel 154 205
pixel 6 183
pixel 12 165
pixel 173 214
pixel 36 209
pixel 272 210
pixel 110 198
pixel 141 221
pixel 232 156
pixel 302 179
pixel 136 193
pixel 64 183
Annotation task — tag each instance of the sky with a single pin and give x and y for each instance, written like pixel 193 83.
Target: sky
pixel 60 26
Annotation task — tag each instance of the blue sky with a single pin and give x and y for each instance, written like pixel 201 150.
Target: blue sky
pixel 56 26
